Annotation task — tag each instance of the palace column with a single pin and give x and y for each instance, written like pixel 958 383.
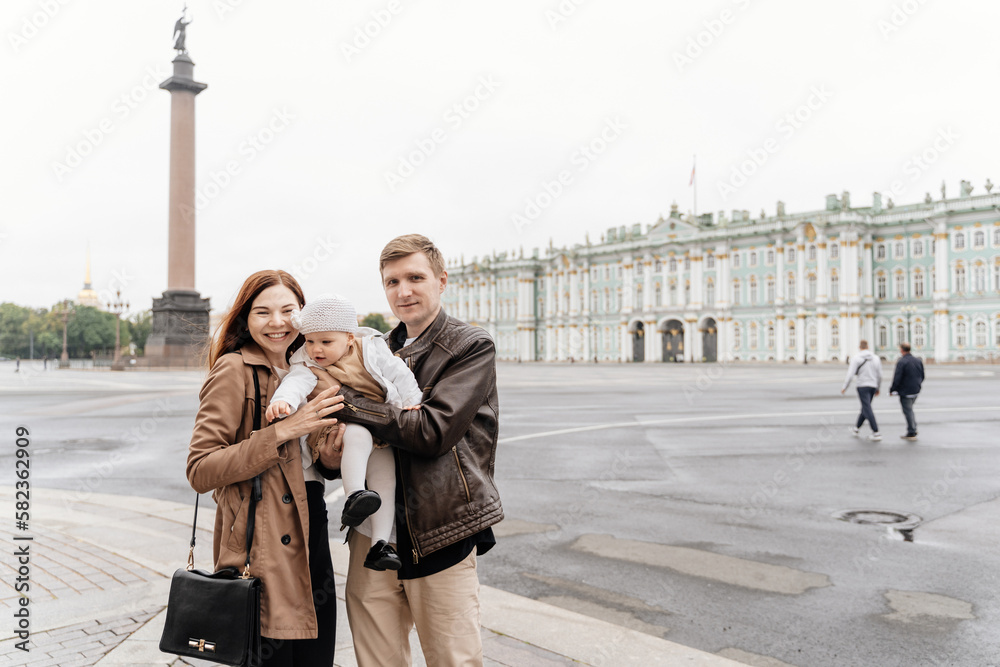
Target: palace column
pixel 550 313
pixel 822 299
pixel 942 335
pixel 867 298
pixel 779 301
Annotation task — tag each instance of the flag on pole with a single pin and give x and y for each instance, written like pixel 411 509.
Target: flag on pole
pixel 691 182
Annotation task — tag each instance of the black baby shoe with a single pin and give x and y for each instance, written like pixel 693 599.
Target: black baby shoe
pixel 358 507
pixel 382 557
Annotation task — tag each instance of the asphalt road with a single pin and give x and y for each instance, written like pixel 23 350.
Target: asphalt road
pixel 691 502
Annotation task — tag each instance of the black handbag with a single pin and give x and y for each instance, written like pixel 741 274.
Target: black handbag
pixel 215 616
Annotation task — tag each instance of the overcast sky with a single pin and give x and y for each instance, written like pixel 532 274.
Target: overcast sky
pixel 329 127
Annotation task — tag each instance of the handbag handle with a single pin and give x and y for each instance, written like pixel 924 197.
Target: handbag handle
pixel 255 493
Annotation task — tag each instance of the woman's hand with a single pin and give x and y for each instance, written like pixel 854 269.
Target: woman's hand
pixel 310 416
pixel 331 450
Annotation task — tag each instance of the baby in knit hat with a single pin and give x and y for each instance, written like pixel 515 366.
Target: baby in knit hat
pixel 366 365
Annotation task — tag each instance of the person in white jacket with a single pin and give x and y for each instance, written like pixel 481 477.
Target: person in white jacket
pixel 867 368
pixel 366 365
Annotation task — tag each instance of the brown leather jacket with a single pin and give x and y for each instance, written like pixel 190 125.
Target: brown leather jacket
pixel 224 455
pixel 446 450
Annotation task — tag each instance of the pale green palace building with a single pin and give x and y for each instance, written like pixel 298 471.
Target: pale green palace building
pixel 789 287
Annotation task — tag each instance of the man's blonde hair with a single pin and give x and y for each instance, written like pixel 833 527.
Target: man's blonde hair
pixel 409 244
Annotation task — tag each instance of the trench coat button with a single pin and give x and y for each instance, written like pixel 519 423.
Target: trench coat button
pixel 287 498
pixel 285 539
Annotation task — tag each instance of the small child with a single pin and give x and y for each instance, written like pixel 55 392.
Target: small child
pixel 367 366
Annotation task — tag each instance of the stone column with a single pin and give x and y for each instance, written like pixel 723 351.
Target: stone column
pixel 180 327
pixel 550 313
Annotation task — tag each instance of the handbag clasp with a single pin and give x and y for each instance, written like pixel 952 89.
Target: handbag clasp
pixel 190 565
pixel 202 645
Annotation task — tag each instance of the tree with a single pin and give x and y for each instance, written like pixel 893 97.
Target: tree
pixel 375 321
pixel 139 325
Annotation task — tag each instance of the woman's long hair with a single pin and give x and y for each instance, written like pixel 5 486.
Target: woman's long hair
pixel 233 332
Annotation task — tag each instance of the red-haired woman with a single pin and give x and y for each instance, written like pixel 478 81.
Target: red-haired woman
pixel 291 551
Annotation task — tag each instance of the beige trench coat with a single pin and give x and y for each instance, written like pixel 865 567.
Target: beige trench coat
pixel 224 455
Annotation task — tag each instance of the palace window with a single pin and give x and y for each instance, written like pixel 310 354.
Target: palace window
pixel 672 265
pixel 834 335
pixel 658 266
pixel 687 292
pixel 673 293
pixel 607 300
pixel 996 236
pixel 736 292
pixel 979 278
pixel 880 251
pixel 770 289
pixel 812 336
pixel 834 288
pixel 736 335
pixel 880 288
pixel 658 295
pixel 918 285
pixel 710 261
pixel 979 332
pixel 996 277
pixel 620 272
pixel 790 254
pixel 770 257
pixel 710 293
pixel 753 258
pixel 959 241
pixel 835 251
pixel 883 336
pixel 770 336
pixel 960 279
pixel 618 299
pixel 918 248
pixel 900 333
pixel 791 334
pixel 791 286
pixel 918 334
pixel 753 291
pixel 961 334
pixel 687 262
pixel 593 300
pixel 979 239
pixel 900 285
pixel 811 288
pixel 752 342
pixel 607 272
pixel 898 250
pixel 812 253
pixel 736 259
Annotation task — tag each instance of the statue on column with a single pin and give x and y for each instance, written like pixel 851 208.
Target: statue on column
pixel 180 32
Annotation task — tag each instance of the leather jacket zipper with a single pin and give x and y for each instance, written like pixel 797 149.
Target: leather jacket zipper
pixel 406 509
pixel 461 473
pixel 355 408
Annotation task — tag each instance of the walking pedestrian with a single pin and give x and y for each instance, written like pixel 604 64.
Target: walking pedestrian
pixel 906 383
pixel 867 368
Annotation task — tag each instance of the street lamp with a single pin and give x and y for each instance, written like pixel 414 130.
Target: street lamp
pixel 64 312
pixel 118 307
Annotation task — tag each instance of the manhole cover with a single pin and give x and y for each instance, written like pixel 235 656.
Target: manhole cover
pixel 878 517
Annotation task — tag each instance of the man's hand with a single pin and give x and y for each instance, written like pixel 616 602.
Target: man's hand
pixel 277 409
pixel 877 392
pixel 842 391
pixel 332 449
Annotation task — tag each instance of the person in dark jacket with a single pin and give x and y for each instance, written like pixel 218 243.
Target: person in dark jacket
pixel 906 383
pixel 446 498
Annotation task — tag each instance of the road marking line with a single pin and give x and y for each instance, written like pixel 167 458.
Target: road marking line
pixel 705 564
pixel 749 415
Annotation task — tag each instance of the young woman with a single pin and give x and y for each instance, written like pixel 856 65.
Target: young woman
pixel 291 551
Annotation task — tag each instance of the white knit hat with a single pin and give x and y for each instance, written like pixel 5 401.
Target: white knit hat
pixel 333 314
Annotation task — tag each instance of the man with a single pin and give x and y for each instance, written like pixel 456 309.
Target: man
pixel 868 370
pixel 446 499
pixel 906 383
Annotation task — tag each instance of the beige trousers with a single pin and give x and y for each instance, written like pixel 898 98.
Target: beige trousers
pixel 382 609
